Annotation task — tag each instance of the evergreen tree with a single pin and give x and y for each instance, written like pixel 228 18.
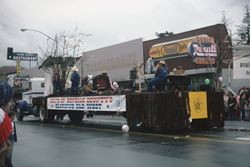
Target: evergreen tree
pixel 244 28
pixel 164 34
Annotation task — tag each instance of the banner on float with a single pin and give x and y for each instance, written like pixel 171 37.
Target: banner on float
pixel 198 105
pixel 88 103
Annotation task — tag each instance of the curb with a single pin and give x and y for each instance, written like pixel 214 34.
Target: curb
pixel 237 129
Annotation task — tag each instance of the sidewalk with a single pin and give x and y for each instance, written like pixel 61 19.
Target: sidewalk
pixel 237 125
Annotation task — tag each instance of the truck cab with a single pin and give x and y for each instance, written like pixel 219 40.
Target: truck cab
pixel 26 106
pixel 36 89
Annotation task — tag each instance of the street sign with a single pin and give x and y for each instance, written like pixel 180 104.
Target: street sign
pixel 22 78
pixel 25 56
pixel 21 55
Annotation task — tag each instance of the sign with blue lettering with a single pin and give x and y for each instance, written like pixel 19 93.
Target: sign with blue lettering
pixel 88 103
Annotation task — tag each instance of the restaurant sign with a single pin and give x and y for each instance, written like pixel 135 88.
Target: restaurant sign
pixel 178 47
pixel 169 48
pixel 203 53
pixel 202 49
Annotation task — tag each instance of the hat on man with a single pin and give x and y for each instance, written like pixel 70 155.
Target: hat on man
pixel 162 62
pixel 115 85
pixel 74 68
pixel 104 72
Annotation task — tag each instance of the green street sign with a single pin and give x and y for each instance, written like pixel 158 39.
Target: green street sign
pixel 21 55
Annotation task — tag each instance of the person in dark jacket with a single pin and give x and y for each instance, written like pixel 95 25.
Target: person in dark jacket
pixel 57 84
pixel 75 81
pixel 160 79
pixel 231 107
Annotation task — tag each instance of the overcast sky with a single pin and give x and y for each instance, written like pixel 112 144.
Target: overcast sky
pixel 110 21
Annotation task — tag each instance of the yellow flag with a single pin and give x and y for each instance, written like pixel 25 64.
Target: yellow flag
pixel 198 105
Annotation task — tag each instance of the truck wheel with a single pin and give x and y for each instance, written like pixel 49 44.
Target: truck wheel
pixel 76 117
pixel 19 113
pixel 42 114
pixel 51 117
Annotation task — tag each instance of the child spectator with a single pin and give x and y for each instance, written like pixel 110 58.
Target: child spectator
pixel 5 122
pixel 12 139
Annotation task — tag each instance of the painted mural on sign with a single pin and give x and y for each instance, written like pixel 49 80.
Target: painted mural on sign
pixel 170 48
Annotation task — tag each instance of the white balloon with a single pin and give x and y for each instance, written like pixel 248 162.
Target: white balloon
pixel 221 79
pixel 125 128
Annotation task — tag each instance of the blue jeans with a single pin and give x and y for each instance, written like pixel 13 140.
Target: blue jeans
pixel 74 90
pixel 153 82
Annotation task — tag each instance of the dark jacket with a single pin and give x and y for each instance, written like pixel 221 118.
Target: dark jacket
pixel 161 73
pixel 75 79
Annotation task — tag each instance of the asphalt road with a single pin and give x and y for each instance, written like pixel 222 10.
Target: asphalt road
pixel 100 144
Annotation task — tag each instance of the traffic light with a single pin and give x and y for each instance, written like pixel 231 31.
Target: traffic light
pixel 9 53
pixel 132 74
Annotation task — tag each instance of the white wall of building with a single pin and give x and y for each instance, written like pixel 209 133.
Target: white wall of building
pixel 117 60
pixel 241 68
pixel 240 74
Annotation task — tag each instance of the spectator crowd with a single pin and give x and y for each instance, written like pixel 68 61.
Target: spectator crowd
pixel 237 107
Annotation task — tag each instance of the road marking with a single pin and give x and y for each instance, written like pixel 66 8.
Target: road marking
pixel 247 138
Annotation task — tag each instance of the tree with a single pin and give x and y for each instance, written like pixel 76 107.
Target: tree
pixel 223 49
pixel 244 28
pixel 164 34
pixel 61 54
pixel 227 22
